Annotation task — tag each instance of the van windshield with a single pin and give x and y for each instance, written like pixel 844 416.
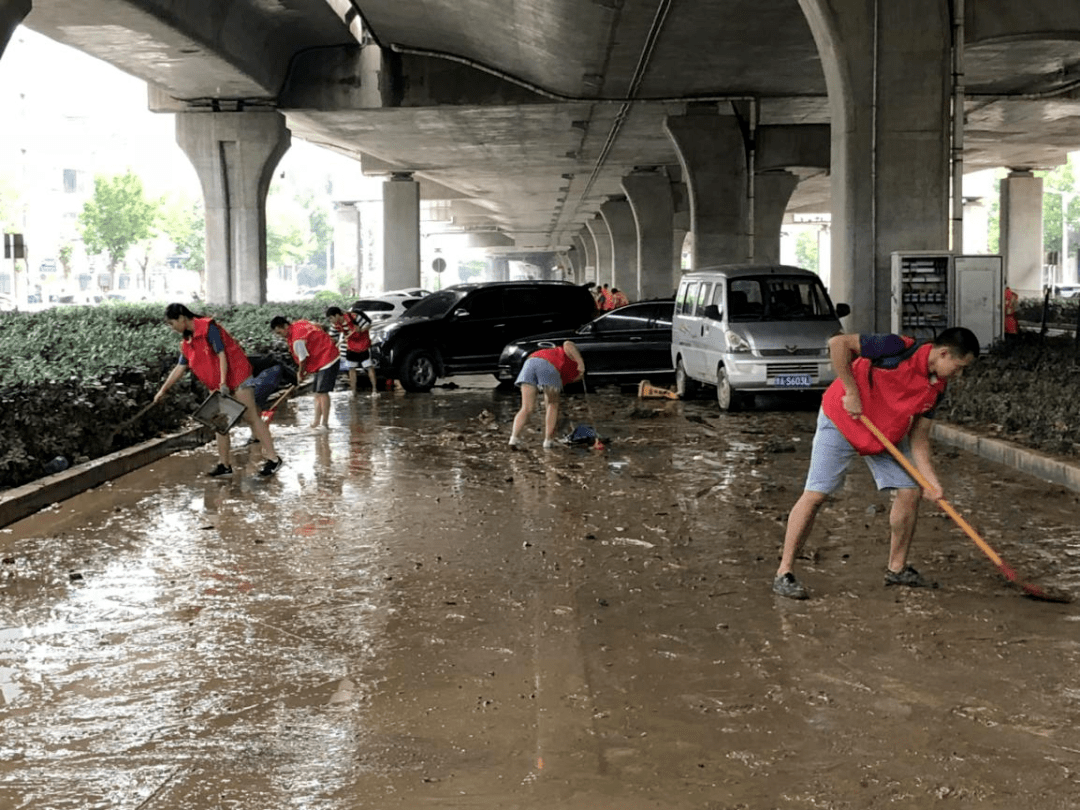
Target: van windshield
pixel 433 306
pixel 778 298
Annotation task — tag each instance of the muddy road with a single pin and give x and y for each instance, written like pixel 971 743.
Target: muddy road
pixel 410 615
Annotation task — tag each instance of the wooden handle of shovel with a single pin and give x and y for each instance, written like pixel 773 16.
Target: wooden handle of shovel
pixel 920 479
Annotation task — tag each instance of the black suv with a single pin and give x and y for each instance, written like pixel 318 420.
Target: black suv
pixel 462 329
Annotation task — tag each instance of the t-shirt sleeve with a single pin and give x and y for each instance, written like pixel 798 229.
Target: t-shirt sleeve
pixel 300 347
pixel 873 347
pixel 182 361
pixel 213 337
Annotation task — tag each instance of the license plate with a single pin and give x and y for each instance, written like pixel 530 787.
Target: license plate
pixel 792 380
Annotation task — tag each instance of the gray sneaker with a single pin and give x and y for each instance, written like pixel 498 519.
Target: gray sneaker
pixel 908 576
pixel 790 587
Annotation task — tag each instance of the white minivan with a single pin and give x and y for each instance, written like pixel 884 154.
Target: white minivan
pixel 749 329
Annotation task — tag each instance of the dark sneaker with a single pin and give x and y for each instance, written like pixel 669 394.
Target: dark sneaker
pixel 790 587
pixel 271 467
pixel 220 471
pixel 908 576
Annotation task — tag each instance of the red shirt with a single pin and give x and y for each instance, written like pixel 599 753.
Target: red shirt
pixel 566 365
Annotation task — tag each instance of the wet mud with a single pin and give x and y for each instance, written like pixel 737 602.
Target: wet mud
pixel 411 615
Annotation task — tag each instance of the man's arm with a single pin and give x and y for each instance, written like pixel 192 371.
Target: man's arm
pixel 843 349
pixel 919 435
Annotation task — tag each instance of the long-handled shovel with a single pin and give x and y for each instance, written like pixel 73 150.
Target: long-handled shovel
pixel 1031 590
pixel 268 414
pixel 129 422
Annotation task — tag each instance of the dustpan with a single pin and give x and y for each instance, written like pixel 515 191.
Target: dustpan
pixel 219 412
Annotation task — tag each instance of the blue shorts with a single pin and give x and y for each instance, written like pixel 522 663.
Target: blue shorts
pixel 832 454
pixel 539 372
pixel 325 379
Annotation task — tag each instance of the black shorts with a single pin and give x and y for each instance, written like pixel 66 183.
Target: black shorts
pixel 360 358
pixel 325 379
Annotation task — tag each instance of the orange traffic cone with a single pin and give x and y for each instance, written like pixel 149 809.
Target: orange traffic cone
pixel 647 389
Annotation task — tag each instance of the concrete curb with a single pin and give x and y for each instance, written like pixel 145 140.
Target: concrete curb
pixel 20 502
pixel 1032 462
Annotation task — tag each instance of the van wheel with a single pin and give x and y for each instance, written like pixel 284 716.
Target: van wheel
pixel 419 371
pixel 726 397
pixel 685 387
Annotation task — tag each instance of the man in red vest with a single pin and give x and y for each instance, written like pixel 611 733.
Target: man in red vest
pixel 314 353
pixel 896 383
pixel 355 325
pixel 221 365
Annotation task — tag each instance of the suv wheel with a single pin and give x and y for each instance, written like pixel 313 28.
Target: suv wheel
pixel 419 371
pixel 727 397
pixel 685 387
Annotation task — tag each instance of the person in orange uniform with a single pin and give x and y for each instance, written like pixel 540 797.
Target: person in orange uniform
pixel 606 301
pixel 547 370
pixel 221 365
pixel 1012 326
pixel 618 298
pixel 316 354
pixel 355 325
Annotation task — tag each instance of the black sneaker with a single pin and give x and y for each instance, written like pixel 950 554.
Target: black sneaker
pixel 270 467
pixel 220 471
pixel 908 576
pixel 790 587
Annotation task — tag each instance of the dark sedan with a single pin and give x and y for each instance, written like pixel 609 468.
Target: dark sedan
pixel 626 345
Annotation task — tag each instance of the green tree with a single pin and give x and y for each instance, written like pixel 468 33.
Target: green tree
pixel 1059 186
pixel 184 222
pixel 806 251
pixel 116 217
pixel 471 269
pixel 10 203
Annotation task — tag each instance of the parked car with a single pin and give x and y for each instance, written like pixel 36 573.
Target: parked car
pixel 463 329
pixel 384 307
pixel 626 345
pixel 747 329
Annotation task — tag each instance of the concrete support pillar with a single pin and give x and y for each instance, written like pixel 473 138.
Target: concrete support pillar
pixel 580 257
pixel 620 223
pixel 347 242
pixel 588 244
pixel 650 199
pixel 234 154
pixel 678 236
pixel 401 232
pixel 12 13
pixel 887 70
pixel 1021 238
pixel 772 190
pixel 602 243
pixel 713 158
pixel 500 268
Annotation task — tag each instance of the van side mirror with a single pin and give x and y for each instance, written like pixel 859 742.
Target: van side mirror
pixel 842 310
pixel 712 312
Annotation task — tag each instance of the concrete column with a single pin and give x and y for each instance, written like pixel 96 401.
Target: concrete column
pixel 234 154
pixel 500 268
pixel 11 14
pixel 401 232
pixel 713 159
pixel 620 222
pixel 588 244
pixel 649 194
pixel 347 241
pixel 1021 235
pixel 602 242
pixel 581 260
pixel 678 236
pixel 772 191
pixel 887 71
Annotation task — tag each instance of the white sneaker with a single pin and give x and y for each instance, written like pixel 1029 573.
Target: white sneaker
pixel 515 441
pixel 549 444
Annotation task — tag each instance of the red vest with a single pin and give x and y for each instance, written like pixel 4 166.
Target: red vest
pixel 358 341
pixel 564 363
pixel 320 348
pixel 891 398
pixel 203 360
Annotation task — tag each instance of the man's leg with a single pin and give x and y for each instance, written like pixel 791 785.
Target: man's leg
pixel 902 519
pixel 799 525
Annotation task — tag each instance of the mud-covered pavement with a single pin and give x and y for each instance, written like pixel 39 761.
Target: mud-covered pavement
pixel 409 615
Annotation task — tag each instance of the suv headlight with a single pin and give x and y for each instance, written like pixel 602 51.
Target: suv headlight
pixel 736 342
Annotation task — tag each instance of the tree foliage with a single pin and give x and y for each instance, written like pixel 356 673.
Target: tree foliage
pixel 184 222
pixel 807 253
pixel 116 217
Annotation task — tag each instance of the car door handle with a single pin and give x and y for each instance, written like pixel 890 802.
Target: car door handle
pixel 635 340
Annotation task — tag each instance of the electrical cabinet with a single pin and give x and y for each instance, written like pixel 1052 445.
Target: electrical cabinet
pixel 932 291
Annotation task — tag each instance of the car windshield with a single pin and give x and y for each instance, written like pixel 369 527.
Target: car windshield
pixel 778 298
pixel 434 305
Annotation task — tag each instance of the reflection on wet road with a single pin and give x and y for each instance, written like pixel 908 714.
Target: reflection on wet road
pixel 411 615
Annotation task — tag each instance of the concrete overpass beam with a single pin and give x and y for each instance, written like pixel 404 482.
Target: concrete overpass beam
pixel 12 13
pixel 772 191
pixel 713 158
pixel 235 155
pixel 887 70
pixel 782 147
pixel 1022 231
pixel 650 199
pixel 602 243
pixel 401 232
pixel 620 222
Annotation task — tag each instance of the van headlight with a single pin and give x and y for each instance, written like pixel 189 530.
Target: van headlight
pixel 736 342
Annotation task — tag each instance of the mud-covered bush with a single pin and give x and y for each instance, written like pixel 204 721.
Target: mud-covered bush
pixel 1058 310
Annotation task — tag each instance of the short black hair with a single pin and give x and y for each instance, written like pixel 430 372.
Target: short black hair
pixel 278 321
pixel 332 312
pixel 174 311
pixel 960 341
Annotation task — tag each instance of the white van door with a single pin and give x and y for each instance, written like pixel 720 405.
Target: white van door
pixel 712 340
pixel 682 322
pixel 697 324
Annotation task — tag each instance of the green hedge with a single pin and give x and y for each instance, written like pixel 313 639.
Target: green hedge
pixel 69 376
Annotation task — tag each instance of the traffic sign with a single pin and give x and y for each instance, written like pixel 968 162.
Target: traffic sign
pixel 438 265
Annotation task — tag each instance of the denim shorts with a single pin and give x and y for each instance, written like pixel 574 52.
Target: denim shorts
pixel 539 372
pixel 832 454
